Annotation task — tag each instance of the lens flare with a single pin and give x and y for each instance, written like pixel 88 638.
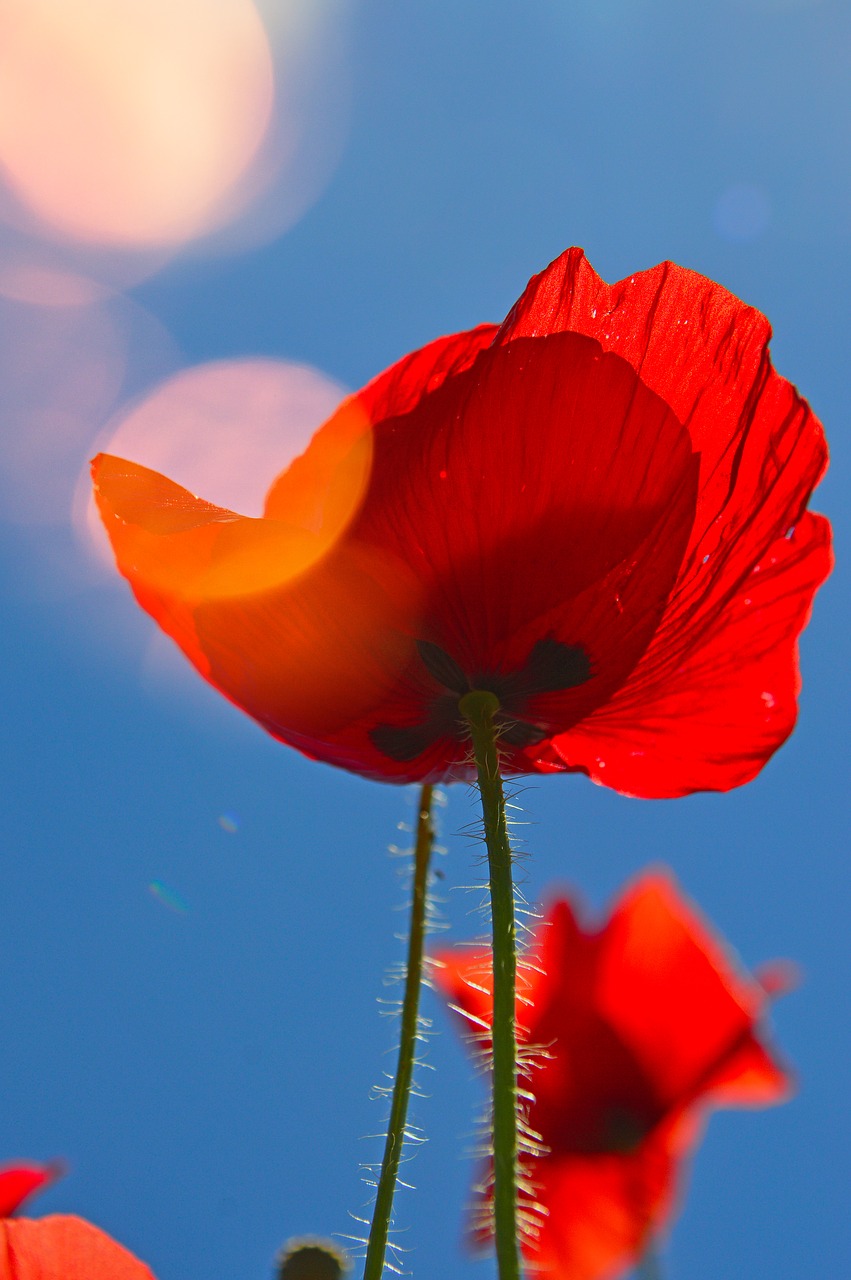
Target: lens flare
pixel 131 124
pixel 168 897
pixel 60 375
pixel 64 369
pixel 226 430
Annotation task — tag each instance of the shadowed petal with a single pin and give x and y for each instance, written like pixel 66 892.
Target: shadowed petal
pixel 602 1211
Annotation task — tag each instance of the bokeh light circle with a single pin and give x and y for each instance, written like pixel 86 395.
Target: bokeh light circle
pixel 223 430
pixel 129 124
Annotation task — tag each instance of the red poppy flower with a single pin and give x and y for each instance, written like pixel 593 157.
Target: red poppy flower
pixel 64 1248
pixel 596 511
pixel 19 1181
pixel 641 1026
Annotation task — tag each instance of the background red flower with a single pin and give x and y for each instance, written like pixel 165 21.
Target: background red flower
pixel 64 1248
pixel 19 1181
pixel 640 1027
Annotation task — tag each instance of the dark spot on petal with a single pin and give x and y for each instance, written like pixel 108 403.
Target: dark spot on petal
pixel 552 667
pixel 402 742
pixel 444 669
pixel 623 1130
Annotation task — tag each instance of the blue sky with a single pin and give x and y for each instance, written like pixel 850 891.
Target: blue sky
pixel 202 1055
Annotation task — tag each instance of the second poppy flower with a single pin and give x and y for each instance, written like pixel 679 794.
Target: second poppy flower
pixel 631 1031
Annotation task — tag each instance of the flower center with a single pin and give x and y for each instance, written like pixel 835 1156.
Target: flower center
pixel 552 667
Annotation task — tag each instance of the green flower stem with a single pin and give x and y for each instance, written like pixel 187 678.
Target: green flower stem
pixel 479 708
pixel 377 1245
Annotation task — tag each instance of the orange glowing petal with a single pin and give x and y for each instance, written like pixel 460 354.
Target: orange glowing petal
pixel 64 1246
pixel 128 124
pixel 322 489
pixel 304 631
pixel 465 979
pixel 226 427
pixel 176 543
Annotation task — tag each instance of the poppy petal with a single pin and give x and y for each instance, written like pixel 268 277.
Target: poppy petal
pixel 304 634
pixel 679 1000
pixel 761 453
pixel 572 541
pixel 64 1246
pixel 711 721
pixel 589 464
pixel 18 1182
pixel 326 636
pixel 464 976
pixel 705 353
pixel 602 1212
pixel 465 979
pixel 400 388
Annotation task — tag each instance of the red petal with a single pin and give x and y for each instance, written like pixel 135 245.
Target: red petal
pixel 706 354
pixel 400 388
pixel 464 976
pixel 709 718
pixel 307 634
pixel 602 1211
pixel 64 1247
pixel 669 990
pixel 542 494
pixel 465 979
pixel 761 453
pixel 18 1182
pixel 306 646
pixel 606 473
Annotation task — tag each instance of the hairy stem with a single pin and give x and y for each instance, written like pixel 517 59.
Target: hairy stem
pixel 479 708
pixel 377 1244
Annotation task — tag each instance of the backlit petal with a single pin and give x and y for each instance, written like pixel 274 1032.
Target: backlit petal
pixel 65 1247
pixel 679 999
pixel 712 719
pixel 596 512
pixel 19 1181
pixel 543 494
pixel 761 453
pixel 602 1211
pixel 306 644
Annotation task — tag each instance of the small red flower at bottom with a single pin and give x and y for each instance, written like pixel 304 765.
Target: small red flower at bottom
pixel 64 1248
pixel 19 1181
pixel 641 1026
